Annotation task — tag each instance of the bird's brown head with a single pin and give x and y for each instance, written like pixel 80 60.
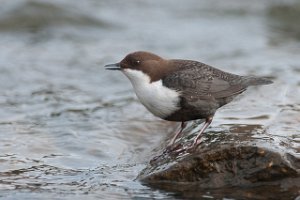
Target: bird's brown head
pixel 140 60
pixel 146 62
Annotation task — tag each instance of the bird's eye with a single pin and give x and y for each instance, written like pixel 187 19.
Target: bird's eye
pixel 136 62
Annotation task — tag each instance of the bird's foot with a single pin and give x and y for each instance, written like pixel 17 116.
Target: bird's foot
pixel 194 146
pixel 179 148
pixel 191 149
pixel 172 147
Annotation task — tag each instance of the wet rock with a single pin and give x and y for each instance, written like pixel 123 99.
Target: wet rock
pixel 243 155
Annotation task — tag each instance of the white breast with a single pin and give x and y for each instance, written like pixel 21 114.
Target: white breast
pixel 158 99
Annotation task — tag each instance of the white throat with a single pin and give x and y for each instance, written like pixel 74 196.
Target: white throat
pixel 158 99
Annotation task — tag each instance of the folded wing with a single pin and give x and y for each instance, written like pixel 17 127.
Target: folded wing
pixel 199 81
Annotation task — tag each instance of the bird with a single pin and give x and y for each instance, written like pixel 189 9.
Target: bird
pixel 182 90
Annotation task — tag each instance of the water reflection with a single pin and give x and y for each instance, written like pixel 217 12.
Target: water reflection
pixel 283 22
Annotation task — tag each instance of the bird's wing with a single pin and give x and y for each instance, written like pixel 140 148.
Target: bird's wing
pixel 199 80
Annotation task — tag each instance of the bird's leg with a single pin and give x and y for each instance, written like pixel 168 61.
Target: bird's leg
pixel 196 140
pixel 182 126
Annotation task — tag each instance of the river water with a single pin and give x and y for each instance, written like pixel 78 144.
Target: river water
pixel 71 130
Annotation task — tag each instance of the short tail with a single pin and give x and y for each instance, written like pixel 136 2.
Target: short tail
pixel 252 80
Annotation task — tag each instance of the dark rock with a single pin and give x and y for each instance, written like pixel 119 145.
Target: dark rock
pixel 236 158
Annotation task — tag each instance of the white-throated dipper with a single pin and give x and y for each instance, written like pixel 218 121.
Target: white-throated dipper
pixel 182 90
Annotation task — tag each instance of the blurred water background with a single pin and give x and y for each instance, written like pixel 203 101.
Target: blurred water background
pixel 71 130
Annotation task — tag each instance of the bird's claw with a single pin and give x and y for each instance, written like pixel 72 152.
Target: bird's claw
pixel 172 147
pixel 191 148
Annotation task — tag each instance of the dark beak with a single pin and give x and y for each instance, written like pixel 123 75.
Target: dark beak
pixel 115 66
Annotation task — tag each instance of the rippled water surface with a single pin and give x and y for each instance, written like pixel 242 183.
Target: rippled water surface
pixel 69 129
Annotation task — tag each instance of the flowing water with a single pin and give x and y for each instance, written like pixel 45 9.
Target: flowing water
pixel 71 130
